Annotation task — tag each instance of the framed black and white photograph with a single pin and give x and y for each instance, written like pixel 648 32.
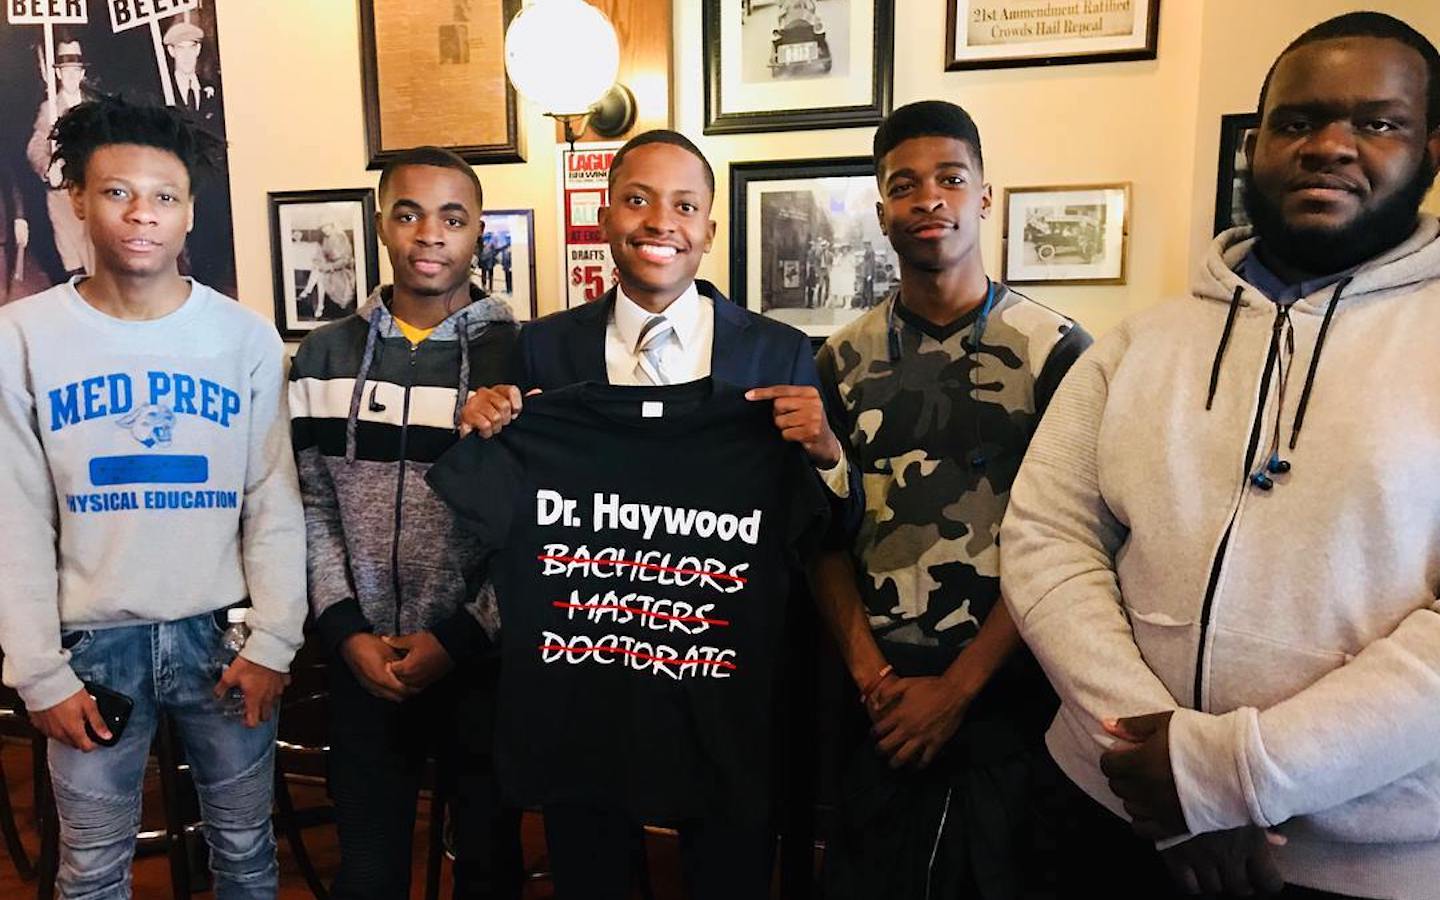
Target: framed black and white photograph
pixel 1066 235
pixel 784 65
pixel 1001 34
pixel 323 254
pixel 54 56
pixel 1233 168
pixel 504 263
pixel 805 243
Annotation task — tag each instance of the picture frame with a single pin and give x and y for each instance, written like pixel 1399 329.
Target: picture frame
pixel 830 66
pixel 1003 34
pixel 1066 234
pixel 805 242
pixel 1231 169
pixel 324 256
pixel 461 57
pixel 506 257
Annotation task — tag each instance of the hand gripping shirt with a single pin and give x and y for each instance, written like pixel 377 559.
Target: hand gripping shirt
pixel 644 542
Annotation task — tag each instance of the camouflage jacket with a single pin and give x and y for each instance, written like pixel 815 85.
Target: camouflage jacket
pixel 938 433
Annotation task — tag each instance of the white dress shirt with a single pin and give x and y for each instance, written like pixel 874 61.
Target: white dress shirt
pixel 190 91
pixel 687 358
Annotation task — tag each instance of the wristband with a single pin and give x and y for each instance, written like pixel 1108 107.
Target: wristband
pixel 875 683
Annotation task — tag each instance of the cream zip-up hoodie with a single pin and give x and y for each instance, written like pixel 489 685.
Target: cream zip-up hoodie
pixel 1295 631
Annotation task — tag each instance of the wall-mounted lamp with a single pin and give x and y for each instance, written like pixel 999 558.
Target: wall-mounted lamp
pixel 563 56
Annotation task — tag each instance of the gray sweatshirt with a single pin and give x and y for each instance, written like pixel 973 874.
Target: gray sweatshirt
pixel 1294 631
pixel 147 476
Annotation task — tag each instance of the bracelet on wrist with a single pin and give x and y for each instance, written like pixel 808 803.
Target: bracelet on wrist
pixel 875 683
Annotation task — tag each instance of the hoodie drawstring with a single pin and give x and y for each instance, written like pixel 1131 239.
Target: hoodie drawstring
pixel 1315 362
pixel 1282 354
pixel 1282 351
pixel 353 420
pixel 1224 342
pixel 462 390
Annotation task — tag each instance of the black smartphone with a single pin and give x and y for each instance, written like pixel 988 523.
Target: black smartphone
pixel 114 709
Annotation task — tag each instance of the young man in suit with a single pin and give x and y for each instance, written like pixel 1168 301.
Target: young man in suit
pixel 658 225
pixel 660 325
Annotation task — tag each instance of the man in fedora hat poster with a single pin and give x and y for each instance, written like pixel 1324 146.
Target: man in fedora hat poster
pixel 73 246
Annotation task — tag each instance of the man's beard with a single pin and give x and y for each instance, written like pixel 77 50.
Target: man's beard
pixel 1324 251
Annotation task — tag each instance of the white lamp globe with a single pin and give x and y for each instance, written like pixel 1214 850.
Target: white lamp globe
pixel 562 55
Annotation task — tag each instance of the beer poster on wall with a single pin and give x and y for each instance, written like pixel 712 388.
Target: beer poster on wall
pixel 584 188
pixel 55 54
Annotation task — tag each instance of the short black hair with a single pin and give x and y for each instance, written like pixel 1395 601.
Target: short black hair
pixel 108 119
pixel 662 136
pixel 438 157
pixel 1372 25
pixel 926 118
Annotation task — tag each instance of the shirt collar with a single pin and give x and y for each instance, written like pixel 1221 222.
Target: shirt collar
pixel 683 314
pixel 1276 288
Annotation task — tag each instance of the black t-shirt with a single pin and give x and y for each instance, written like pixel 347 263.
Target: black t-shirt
pixel 645 540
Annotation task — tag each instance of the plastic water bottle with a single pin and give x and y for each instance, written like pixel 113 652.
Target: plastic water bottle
pixel 231 642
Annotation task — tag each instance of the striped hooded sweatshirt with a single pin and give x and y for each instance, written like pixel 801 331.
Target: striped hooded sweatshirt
pixel 370 414
pixel 1232 510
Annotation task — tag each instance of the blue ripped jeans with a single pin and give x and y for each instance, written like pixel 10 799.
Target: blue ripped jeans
pixel 169 667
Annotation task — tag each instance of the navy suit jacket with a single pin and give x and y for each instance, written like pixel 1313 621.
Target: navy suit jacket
pixel 749 351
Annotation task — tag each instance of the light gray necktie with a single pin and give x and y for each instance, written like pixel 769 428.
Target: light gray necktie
pixel 655 335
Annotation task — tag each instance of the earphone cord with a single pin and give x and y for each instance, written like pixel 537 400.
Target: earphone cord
pixel 1286 352
pixel 972 347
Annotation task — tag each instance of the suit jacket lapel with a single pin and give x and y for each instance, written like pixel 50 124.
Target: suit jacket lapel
pixel 587 339
pixel 729 355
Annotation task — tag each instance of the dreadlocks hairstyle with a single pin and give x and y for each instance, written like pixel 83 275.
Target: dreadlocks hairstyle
pixel 108 120
pixel 927 118
pixel 1372 25
pixel 662 136
pixel 438 157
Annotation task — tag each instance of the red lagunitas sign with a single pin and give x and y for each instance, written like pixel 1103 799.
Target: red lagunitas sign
pixel 584 173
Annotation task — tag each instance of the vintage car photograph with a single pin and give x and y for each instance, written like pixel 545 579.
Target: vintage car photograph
pixel 1073 234
pixel 1067 231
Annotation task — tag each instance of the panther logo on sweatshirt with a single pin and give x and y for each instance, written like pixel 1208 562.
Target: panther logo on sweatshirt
pixel 152 424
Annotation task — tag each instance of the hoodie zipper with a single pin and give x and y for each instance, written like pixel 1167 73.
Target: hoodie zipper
pixel 400 487
pixel 1256 429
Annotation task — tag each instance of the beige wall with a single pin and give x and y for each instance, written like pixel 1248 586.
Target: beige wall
pixel 1075 124
pixel 293 106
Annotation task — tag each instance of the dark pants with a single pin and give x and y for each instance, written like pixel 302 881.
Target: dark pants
pixel 962 828
pixel 595 854
pixel 1102 857
pixel 377 758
